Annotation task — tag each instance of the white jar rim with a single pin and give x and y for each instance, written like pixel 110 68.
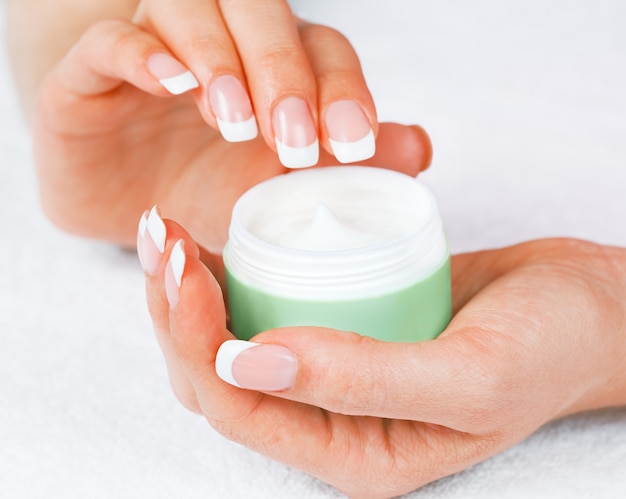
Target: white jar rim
pixel 384 266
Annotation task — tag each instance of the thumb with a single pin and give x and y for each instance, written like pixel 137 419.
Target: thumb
pixel 459 380
pixel 350 374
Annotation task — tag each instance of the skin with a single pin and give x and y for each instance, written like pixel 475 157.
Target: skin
pixel 539 329
pixel 110 141
pixel 538 333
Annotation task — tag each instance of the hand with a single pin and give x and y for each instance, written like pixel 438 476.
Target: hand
pixel 539 332
pixel 110 139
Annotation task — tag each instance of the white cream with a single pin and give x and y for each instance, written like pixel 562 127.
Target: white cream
pixel 320 228
pixel 335 230
pixel 332 209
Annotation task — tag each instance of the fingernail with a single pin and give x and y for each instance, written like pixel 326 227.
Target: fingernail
pixel 350 135
pixel 233 111
pixel 295 134
pixel 141 232
pixel 153 242
pixel 256 366
pixel 175 77
pixel 174 273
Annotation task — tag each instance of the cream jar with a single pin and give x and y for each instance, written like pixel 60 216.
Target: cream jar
pixel 352 248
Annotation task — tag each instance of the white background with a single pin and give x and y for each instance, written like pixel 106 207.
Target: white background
pixel 526 104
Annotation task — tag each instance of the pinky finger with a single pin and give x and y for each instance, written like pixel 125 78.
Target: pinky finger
pixel 114 51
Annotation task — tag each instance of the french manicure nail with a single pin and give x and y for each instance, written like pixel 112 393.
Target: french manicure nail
pixel 175 77
pixel 295 133
pixel 349 133
pixel 233 110
pixel 174 273
pixel 141 232
pixel 153 242
pixel 256 366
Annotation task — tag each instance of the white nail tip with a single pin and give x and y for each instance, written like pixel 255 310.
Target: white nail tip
pixel 349 152
pixel 156 229
pixel 298 157
pixel 143 224
pixel 179 84
pixel 177 262
pixel 226 354
pixel 238 131
pixel 141 232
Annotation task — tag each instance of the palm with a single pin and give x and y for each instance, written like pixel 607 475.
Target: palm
pixel 121 152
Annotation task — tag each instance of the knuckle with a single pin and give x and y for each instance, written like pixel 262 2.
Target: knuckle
pixel 60 215
pixel 321 34
pixel 186 397
pixel 237 424
pixel 202 42
pixel 278 55
pixel 330 50
pixel 104 28
pixel 226 429
pixel 260 438
pixel 492 385
pixel 355 391
pixel 487 408
pixel 108 39
pixel 339 77
pixel 349 398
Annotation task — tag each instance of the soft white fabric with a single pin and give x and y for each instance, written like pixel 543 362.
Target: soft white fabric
pixel 526 104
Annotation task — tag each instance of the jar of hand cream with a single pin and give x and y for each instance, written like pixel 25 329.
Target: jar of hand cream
pixel 353 248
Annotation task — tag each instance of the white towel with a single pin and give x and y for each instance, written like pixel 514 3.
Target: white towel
pixel 526 104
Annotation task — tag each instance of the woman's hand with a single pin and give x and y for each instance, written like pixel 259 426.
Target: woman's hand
pixel 111 137
pixel 539 332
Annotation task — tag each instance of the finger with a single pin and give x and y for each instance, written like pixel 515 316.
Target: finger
pixel 195 31
pixel 281 81
pixel 348 117
pixel 457 380
pixel 155 242
pixel 349 374
pixel 197 328
pixel 183 299
pixel 115 51
pixel 406 149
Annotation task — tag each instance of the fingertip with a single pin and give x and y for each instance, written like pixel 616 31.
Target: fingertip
pixel 403 148
pixel 423 147
pixel 174 273
pixel 295 133
pixel 171 73
pixel 264 367
pixel 141 233
pixel 231 106
pixel 226 355
pixel 350 134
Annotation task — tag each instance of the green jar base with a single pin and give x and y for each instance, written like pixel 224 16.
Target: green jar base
pixel 416 313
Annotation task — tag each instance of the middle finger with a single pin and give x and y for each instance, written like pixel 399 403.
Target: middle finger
pixel 195 32
pixel 281 80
